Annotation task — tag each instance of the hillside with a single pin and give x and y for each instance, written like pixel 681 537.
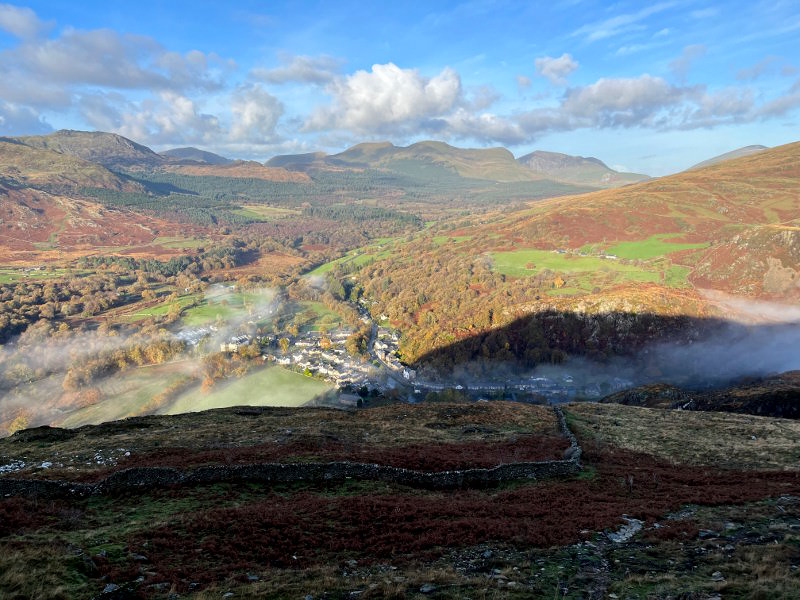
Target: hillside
pixel 279 503
pixel 298 162
pixel 42 168
pixel 775 396
pixel 426 160
pixel 196 155
pixel 650 248
pixel 577 169
pixel 738 153
pixel 107 149
pixel 745 211
pixel 240 169
pixel 48 214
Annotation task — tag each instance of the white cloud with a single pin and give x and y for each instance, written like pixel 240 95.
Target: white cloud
pixel 106 58
pixel 21 120
pixel 681 65
pixel 487 128
pixel 757 70
pixel 255 115
pixel 619 24
pixel 387 98
pixel 168 118
pixel 556 70
pixel 20 22
pixel 621 102
pixel 305 69
pixel 523 82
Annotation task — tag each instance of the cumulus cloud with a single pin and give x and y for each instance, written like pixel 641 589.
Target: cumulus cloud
pixel 523 83
pixel 487 128
pixel 681 65
pixel 556 70
pixel 55 72
pixel 168 118
pixel 21 22
pixel 304 69
pixel 255 115
pixel 387 98
pixel 621 102
pixel 107 58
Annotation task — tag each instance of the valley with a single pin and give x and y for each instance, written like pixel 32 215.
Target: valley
pixel 331 267
pixel 499 364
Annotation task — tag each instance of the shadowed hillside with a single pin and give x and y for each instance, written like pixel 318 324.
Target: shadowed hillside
pixel 637 347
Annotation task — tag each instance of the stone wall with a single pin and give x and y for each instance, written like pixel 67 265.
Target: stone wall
pixel 143 478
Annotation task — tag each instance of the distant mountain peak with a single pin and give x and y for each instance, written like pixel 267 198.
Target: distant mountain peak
pixel 196 155
pixel 586 170
pixel 107 149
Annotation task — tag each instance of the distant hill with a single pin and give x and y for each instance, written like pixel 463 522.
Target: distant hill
pixel 494 164
pixel 23 165
pixel 239 169
pixel 746 209
pixel 738 153
pixel 196 155
pixel 577 169
pixel 423 160
pixel 298 162
pixel 45 210
pixel 107 149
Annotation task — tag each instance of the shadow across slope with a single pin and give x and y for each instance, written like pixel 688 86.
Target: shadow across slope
pixel 697 352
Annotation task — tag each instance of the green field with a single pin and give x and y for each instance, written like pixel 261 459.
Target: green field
pixel 516 263
pixel 323 316
pixel 159 310
pixel 13 275
pixel 262 212
pixel 223 305
pixel 126 394
pixel 181 243
pixel 356 258
pixel 584 272
pixel 271 386
pixel 440 240
pixel 653 247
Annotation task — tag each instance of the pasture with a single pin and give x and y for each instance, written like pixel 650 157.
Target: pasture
pixel 270 386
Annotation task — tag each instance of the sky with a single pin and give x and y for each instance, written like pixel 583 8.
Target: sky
pixel 649 87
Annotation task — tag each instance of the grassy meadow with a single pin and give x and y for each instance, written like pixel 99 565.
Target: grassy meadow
pixel 271 386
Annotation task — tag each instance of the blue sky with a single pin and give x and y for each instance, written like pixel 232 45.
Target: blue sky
pixel 648 87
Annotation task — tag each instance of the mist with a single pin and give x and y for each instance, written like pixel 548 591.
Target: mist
pixel 33 366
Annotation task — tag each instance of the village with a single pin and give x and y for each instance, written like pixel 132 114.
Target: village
pixel 324 355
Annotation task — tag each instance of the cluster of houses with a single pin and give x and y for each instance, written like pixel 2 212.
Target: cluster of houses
pixel 332 362
pixel 385 347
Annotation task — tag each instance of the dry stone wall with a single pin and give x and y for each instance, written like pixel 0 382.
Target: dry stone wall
pixel 143 478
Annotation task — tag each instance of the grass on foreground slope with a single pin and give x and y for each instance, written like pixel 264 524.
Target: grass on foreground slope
pixel 706 532
pixel 723 440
